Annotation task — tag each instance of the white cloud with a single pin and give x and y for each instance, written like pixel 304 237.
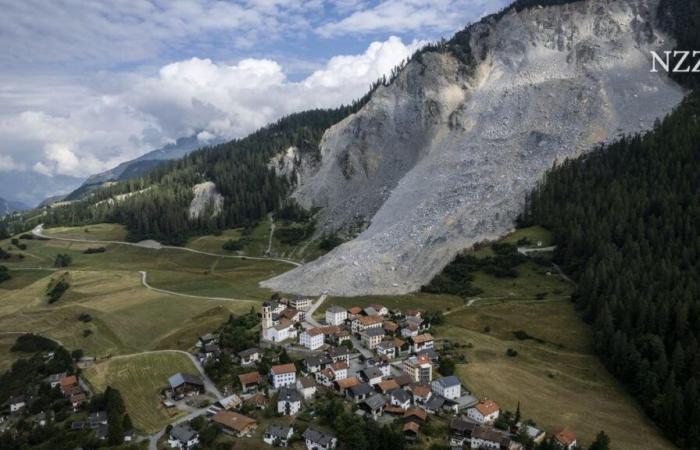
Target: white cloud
pixel 7 164
pixel 185 97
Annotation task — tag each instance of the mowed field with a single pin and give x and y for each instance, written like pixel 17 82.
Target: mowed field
pixel 140 378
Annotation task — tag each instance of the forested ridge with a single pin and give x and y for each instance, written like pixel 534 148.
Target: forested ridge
pixel 159 207
pixel 626 222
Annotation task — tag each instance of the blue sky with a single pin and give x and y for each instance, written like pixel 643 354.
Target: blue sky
pixel 88 84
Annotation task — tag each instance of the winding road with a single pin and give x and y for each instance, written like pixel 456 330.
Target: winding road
pixel 153 245
pixel 144 281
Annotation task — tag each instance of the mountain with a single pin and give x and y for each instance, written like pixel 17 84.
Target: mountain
pixel 137 167
pixel 32 188
pixel 442 157
pixel 8 207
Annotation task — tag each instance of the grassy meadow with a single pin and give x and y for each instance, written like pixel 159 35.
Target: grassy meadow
pixel 140 378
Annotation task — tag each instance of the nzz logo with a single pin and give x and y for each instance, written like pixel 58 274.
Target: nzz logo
pixel 679 61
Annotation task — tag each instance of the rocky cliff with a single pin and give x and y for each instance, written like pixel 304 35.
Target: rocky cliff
pixel 443 156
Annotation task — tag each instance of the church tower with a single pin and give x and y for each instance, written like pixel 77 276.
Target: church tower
pixel 266 315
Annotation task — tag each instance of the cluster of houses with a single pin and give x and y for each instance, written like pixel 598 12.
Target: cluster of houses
pixel 394 379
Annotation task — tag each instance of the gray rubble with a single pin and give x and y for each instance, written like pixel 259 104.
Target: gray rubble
pixel 438 161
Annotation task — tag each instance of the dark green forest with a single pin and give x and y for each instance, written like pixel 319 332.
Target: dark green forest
pixel 626 222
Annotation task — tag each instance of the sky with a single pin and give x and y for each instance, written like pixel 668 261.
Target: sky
pixel 88 84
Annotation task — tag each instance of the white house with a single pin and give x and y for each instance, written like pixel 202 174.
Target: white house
pixel 335 315
pixel 281 332
pixel 278 435
pixel 300 303
pixel 250 356
pixel 386 348
pixel 340 370
pixel 283 375
pixel 419 368
pixel 318 440
pixel 421 342
pixel 364 322
pixel 372 375
pixel 306 387
pixel 183 436
pixel 17 403
pixel 288 402
pixel 448 387
pixel 371 337
pixel 486 411
pixel 486 438
pixel 400 398
pixel 312 338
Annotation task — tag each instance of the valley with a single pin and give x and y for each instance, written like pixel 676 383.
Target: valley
pixel 555 376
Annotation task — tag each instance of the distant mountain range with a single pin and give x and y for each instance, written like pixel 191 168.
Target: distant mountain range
pixel 8 206
pixel 135 167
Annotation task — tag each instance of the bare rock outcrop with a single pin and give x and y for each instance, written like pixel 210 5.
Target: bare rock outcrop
pixel 443 158
pixel 207 201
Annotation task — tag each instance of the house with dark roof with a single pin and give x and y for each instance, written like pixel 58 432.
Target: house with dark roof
pixel 278 435
pixel 183 436
pixel 316 439
pixel 288 401
pixel 338 354
pixel 486 437
pixel 359 392
pixel 306 387
pixel 447 387
pixel 400 398
pixel 185 384
pixel 372 375
pixel 461 431
pixel 434 404
pixel 374 405
pixel 250 356
pixel 313 364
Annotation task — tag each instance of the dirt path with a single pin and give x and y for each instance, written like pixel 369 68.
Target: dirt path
pixel 153 245
pixel 272 232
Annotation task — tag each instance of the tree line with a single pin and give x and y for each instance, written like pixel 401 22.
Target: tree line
pixel 626 222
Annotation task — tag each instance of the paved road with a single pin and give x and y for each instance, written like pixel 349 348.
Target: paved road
pixel 153 245
pixel 308 316
pixel 144 281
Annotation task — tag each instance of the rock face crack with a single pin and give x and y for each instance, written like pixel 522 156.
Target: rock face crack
pixel 438 161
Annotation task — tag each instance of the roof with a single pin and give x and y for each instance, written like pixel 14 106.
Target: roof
pixel 181 378
pixel 388 385
pixel 418 360
pixel 317 436
pixel 422 338
pixel 249 378
pixel 68 381
pixel 335 309
pixel 279 431
pixel 98 416
pixel 532 432
pixel 459 425
pixel 390 326
pixel 207 337
pixel 370 320
pixel 398 342
pixel 347 383
pixel 361 389
pixel 283 368
pixel 307 382
pixel 284 324
pixel 374 332
pixel 183 432
pixel 317 360
pixel 386 344
pixel 400 395
pixel 17 399
pixel 288 395
pixel 249 352
pixel 565 436
pixel 411 426
pixel 435 403
pixel 338 351
pixel 413 312
pixel 340 365
pixel 487 434
pixel 314 331
pixel 289 313
pixel 231 401
pixel 420 390
pixel 415 412
pixel 371 372
pixel 447 382
pixel 258 399
pixel 375 401
pixel 355 310
pixel 403 379
pixel 233 420
pixel 487 407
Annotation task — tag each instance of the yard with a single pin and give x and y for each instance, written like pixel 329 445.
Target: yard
pixel 140 378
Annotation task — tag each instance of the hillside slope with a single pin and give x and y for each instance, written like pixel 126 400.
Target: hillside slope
pixel 443 157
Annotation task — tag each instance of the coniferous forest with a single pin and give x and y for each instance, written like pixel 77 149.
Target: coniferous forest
pixel 626 221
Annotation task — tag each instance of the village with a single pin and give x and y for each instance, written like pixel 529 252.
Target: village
pixel 384 365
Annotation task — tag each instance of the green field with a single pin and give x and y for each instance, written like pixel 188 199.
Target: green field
pixel 140 378
pixel 557 379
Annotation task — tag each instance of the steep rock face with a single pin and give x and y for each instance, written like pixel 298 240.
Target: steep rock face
pixel 439 160
pixel 207 201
